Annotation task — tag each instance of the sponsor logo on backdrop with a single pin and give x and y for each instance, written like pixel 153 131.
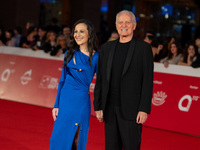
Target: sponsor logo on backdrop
pixel 194 87
pixel 53 83
pixel 26 77
pixel 6 74
pixel 157 82
pixel 12 62
pixel 48 82
pixel 189 100
pixel 159 98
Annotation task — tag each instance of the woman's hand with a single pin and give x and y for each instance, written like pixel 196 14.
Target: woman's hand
pixel 55 113
pixel 189 60
pixel 166 64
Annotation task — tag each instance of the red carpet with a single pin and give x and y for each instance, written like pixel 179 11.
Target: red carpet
pixel 28 127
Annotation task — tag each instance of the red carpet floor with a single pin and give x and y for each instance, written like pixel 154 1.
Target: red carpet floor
pixel 28 127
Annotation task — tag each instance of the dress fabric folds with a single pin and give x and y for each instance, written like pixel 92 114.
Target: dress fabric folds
pixel 73 101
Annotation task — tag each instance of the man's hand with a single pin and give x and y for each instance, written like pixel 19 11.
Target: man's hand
pixel 99 115
pixel 141 117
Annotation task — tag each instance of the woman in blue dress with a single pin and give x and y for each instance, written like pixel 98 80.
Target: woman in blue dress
pixel 71 111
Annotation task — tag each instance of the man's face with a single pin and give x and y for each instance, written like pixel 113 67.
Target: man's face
pixel 125 25
pixel 197 41
pixel 41 32
pixel 66 31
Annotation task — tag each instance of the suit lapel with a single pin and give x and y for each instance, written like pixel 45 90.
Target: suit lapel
pixel 110 59
pixel 129 55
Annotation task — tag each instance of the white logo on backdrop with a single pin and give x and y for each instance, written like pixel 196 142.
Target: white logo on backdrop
pixel 194 87
pixel 48 82
pixel 189 100
pixel 92 85
pixel 157 82
pixel 12 62
pixel 6 74
pixel 53 83
pixel 159 98
pixel 26 77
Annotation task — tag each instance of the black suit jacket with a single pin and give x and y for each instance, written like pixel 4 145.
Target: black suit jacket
pixel 136 79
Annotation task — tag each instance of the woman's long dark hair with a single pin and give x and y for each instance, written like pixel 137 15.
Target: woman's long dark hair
pixel 92 41
pixel 186 51
pixel 179 49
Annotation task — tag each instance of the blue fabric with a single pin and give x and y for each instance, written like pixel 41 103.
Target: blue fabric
pixel 73 101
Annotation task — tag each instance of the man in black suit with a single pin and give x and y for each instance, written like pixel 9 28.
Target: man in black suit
pixel 123 91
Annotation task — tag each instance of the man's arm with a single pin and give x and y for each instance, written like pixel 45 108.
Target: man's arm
pixel 98 90
pixel 147 83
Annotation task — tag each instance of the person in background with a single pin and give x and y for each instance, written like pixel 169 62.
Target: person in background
pixel 66 33
pixel 114 36
pixel 50 45
pixel 61 46
pixel 174 56
pixel 197 42
pixel 196 63
pixel 124 84
pixel 166 46
pixel 53 26
pixel 151 39
pixel 149 36
pixel 40 39
pixel 190 55
pixel 18 35
pixel 71 111
pixel 2 37
pixel 28 40
pixel 157 44
pixel 10 38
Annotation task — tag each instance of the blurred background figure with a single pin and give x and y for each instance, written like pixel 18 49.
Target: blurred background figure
pixel 10 38
pixel 50 45
pixel 155 45
pixel 2 37
pixel 197 42
pixel 189 55
pixel 66 33
pixel 149 36
pixel 61 46
pixel 18 35
pixel 53 26
pixel 114 35
pixel 28 40
pixel 40 39
pixel 174 56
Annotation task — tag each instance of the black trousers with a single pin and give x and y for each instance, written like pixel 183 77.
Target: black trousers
pixel 119 132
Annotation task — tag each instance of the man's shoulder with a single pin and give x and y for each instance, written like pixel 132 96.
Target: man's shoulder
pixel 109 43
pixel 141 42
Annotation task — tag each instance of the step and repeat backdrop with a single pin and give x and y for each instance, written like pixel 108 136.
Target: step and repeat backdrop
pixel 32 77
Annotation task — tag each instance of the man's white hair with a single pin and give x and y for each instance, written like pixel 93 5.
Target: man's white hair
pixel 127 12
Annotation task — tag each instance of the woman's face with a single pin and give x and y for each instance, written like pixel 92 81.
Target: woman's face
pixel 173 49
pixel 191 50
pixel 81 34
pixel 52 37
pixel 62 41
pixel 7 35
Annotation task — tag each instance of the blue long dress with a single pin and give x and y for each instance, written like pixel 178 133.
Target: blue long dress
pixel 73 101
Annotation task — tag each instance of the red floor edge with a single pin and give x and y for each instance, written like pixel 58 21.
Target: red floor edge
pixel 28 127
